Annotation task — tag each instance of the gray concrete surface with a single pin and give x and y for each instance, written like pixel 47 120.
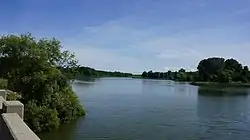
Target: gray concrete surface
pixel 12 126
pixel 17 128
pixel 3 93
pixel 13 107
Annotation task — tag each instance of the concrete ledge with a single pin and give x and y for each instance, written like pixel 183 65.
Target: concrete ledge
pixel 1 104
pixel 1 101
pixel 17 127
pixel 3 93
pixel 13 107
pixel 12 126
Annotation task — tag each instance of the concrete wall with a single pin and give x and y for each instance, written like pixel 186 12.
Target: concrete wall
pixel 12 126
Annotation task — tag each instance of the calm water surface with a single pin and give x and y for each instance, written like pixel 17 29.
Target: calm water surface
pixel 140 109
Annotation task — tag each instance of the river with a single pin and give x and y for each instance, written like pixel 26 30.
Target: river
pixel 143 109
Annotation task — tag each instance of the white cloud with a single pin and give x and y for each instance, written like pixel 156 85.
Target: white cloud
pixel 179 54
pixel 117 46
pixel 103 59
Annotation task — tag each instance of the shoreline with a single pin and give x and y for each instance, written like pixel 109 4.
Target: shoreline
pixel 233 84
pixel 200 83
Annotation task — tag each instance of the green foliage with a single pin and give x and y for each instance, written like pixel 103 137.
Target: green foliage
pixel 210 66
pixel 3 83
pixel 180 75
pixel 144 74
pixel 41 118
pixel 218 70
pixel 40 72
pixel 12 96
pixel 86 72
pixel 209 70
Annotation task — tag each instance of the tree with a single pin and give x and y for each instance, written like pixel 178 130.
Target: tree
pixel 224 77
pixel 212 69
pixel 144 74
pixel 150 74
pixel 86 73
pixel 170 75
pixel 233 65
pixel 182 70
pixel 210 66
pixel 40 71
pixel 236 68
pixel 245 74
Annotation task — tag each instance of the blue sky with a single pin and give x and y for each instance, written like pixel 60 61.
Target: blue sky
pixel 136 35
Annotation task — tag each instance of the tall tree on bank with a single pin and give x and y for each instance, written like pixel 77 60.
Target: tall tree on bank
pixel 207 68
pixel 220 70
pixel 214 69
pixel 39 71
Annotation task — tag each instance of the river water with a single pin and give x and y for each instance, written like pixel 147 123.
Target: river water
pixel 142 109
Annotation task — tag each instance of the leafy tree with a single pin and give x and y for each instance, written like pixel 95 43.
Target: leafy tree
pixel 182 70
pixel 216 69
pixel 170 75
pixel 144 74
pixel 211 66
pixel 225 76
pixel 86 72
pixel 245 74
pixel 39 70
pixel 233 65
pixel 212 69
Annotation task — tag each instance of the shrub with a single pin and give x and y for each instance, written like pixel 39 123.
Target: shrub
pixel 40 72
pixel 3 83
pixel 41 118
pixel 13 96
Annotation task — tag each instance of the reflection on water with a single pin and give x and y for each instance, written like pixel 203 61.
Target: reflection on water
pixel 63 133
pixel 217 91
pixel 143 109
pixel 225 117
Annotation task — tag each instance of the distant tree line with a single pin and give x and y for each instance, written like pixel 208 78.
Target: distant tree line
pixel 180 75
pixel 213 69
pixel 83 72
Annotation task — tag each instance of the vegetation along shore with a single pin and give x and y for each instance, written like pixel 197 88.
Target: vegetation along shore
pixel 210 71
pixel 38 72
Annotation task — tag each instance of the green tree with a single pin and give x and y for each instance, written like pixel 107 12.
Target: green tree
pixel 236 68
pixel 170 75
pixel 39 70
pixel 233 65
pixel 245 74
pixel 211 66
pixel 225 76
pixel 144 74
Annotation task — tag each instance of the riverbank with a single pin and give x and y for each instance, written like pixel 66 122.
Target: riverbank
pixel 199 83
pixel 216 84
pixel 129 103
pixel 140 77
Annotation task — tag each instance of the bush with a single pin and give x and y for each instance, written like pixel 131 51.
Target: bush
pixel 41 118
pixel 12 96
pixel 40 72
pixel 3 83
pixel 69 108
